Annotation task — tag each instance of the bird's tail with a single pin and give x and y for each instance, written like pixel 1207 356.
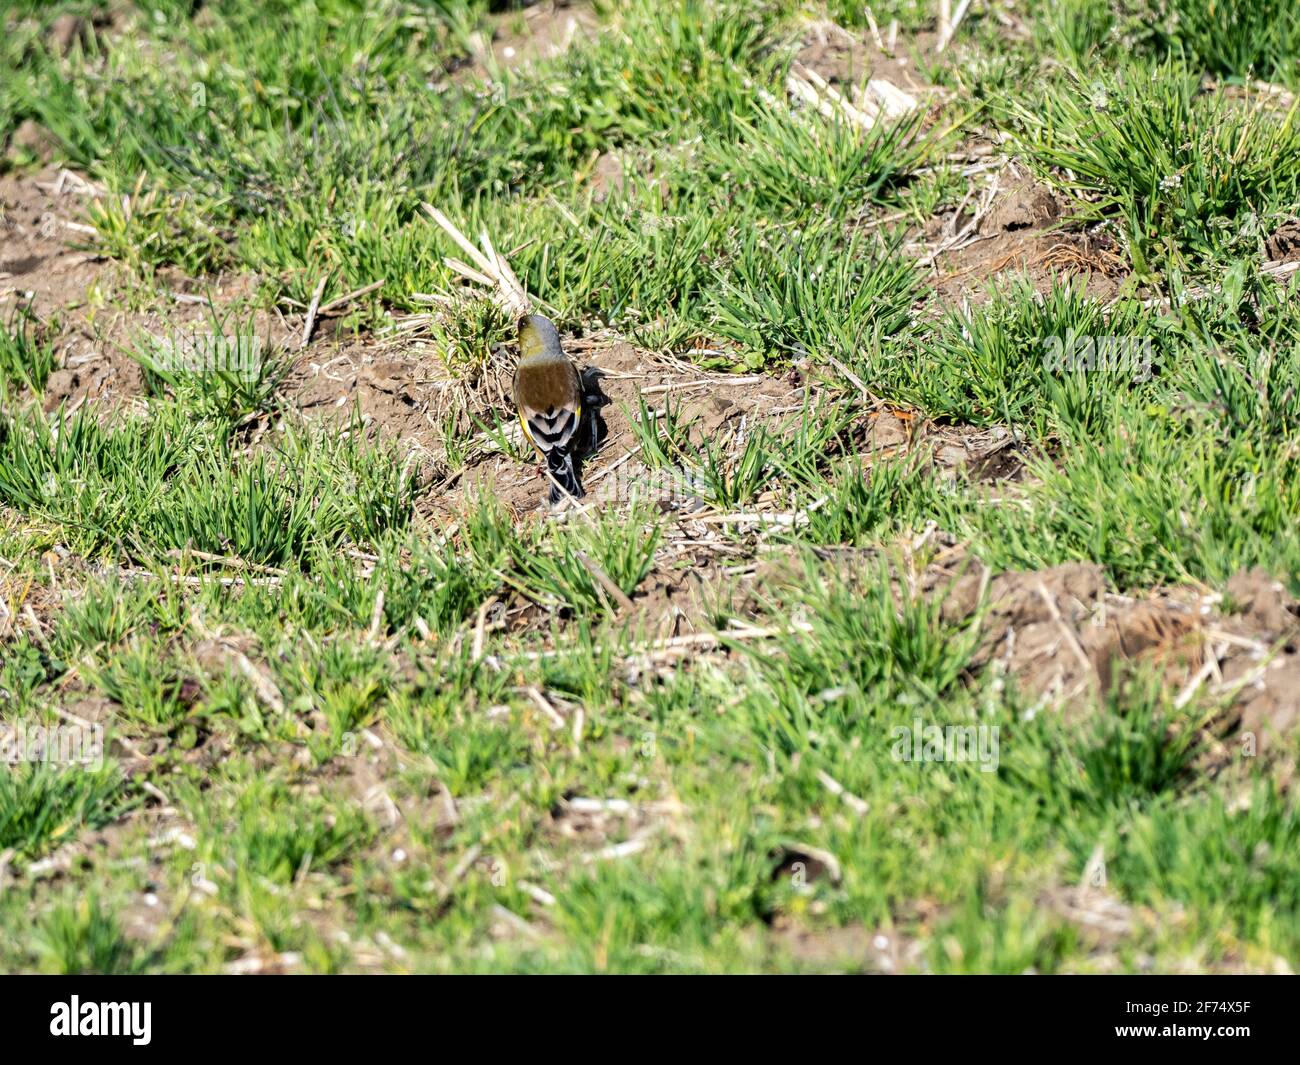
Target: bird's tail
pixel 566 477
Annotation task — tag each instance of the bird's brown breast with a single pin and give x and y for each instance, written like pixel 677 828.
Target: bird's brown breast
pixel 541 386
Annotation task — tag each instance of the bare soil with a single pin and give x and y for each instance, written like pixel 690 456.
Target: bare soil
pixel 843 57
pixel 1026 232
pixel 48 266
pixel 1065 638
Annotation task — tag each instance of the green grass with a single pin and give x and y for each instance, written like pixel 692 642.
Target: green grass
pixel 170 482
pixel 1183 176
pixel 41 806
pixel 358 704
pixel 26 360
pixel 1247 37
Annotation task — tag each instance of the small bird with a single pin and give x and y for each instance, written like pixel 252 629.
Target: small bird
pixel 548 392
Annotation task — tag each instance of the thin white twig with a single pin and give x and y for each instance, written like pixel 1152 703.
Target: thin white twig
pixel 946 33
pixel 313 309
